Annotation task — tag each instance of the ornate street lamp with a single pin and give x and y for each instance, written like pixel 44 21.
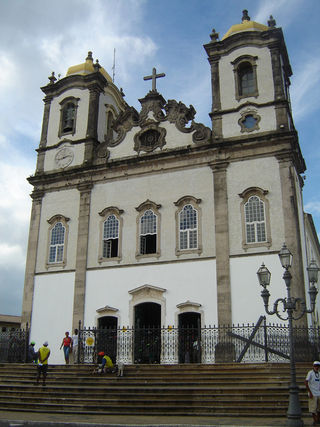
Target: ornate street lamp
pixel 294 308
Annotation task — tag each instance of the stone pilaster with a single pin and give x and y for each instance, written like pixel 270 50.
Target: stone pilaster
pixel 279 93
pixel 44 133
pixel 222 243
pixel 31 257
pixel 292 232
pixel 92 127
pixel 216 99
pixel 82 254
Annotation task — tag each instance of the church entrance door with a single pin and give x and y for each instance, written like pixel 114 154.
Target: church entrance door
pixel 147 333
pixel 107 336
pixel 189 337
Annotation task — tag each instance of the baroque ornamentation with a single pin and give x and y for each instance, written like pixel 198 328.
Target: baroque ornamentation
pixel 150 137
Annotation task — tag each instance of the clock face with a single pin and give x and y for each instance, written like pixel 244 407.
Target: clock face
pixel 64 157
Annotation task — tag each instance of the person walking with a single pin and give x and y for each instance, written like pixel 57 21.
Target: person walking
pixel 42 367
pixel 75 340
pixel 312 383
pixel 67 345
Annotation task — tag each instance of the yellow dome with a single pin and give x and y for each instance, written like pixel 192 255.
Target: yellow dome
pixel 87 68
pixel 246 25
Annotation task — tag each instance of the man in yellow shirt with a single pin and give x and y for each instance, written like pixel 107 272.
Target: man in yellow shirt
pixel 42 367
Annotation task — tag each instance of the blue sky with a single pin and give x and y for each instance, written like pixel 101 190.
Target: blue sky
pixel 41 36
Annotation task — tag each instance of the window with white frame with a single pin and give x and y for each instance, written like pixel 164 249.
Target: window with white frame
pixel 256 227
pixel 57 241
pixel 188 228
pixel 148 233
pixel 255 220
pixel 110 237
pixel 188 225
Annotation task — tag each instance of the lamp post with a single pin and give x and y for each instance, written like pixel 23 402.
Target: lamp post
pixel 294 311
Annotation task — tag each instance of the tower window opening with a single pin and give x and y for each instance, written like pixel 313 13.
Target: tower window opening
pixel 246 79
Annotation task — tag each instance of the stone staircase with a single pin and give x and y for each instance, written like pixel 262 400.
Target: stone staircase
pixel 235 390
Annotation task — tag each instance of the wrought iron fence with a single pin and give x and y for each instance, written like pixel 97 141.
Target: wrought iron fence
pixel 169 345
pixel 14 346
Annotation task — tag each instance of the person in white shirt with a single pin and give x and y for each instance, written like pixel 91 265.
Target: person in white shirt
pixel 312 383
pixel 75 339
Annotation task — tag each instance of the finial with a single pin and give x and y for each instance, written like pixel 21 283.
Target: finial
pixel 89 57
pixel 271 22
pixel 214 35
pixel 245 16
pixel 122 93
pixel 52 78
pixel 96 66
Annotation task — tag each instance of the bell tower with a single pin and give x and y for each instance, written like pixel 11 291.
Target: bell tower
pixel 250 74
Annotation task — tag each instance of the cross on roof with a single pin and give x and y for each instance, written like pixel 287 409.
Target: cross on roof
pixel 153 77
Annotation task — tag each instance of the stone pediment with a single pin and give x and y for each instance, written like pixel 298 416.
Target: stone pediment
pixel 148 129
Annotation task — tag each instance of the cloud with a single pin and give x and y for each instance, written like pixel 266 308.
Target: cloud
pixel 306 87
pixel 279 10
pixel 313 207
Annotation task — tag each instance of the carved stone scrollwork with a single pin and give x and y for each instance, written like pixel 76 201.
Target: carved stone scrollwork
pixel 124 123
pixel 150 137
pixel 180 115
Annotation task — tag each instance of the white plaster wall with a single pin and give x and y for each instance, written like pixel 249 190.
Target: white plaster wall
pixel 81 121
pixel 194 281
pixel 231 127
pixel 174 138
pixel 264 77
pixel 52 312
pixel 247 304
pixel 263 173
pixel 50 163
pixel 65 203
pixel 161 188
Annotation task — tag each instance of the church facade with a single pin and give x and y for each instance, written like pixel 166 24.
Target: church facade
pixel 150 218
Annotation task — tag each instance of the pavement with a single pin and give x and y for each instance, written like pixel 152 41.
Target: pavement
pixel 33 419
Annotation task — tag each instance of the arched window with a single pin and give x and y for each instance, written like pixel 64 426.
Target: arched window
pixel 57 239
pixel 110 237
pixel 246 79
pixel 148 233
pixel 255 220
pixel 188 225
pixel 188 228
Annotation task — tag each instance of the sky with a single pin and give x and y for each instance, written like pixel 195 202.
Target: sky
pixel 41 36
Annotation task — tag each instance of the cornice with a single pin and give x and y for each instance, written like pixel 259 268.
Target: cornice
pixel 94 81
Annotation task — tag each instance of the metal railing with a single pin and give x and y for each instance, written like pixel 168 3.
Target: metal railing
pixel 170 345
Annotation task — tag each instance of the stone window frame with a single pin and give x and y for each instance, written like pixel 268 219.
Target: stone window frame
pixel 142 208
pixel 109 132
pixel 63 106
pixel 261 194
pixel 105 213
pixel 237 64
pixel 150 126
pixel 180 204
pixel 243 117
pixel 53 221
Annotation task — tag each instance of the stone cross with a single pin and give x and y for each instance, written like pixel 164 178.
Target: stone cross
pixel 153 77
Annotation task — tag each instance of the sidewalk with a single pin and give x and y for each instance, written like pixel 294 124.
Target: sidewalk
pixel 30 419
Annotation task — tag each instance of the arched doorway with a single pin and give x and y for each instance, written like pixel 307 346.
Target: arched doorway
pixel 189 337
pixel 147 338
pixel 107 336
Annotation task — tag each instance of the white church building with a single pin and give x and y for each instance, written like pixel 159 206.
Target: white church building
pixel 149 218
